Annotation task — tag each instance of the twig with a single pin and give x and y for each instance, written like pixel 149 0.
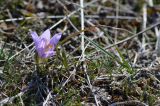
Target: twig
pixel 62 16
pixel 131 102
pixel 157 32
pixel 74 71
pixel 20 51
pixel 83 50
pixel 82 28
pixel 10 99
pixel 144 25
pixel 22 103
pixel 124 8
pixel 10 15
pixel 150 2
pixel 67 11
pixel 129 38
pixel 117 13
pixel 47 99
pixel 8 33
pixel 99 32
pixel 70 15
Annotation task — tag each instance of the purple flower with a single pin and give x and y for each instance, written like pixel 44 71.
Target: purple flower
pixel 44 44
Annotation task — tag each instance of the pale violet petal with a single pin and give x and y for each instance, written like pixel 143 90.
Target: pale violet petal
pixel 55 39
pixel 48 54
pixel 41 52
pixel 42 43
pixel 46 35
pixel 41 47
pixel 35 38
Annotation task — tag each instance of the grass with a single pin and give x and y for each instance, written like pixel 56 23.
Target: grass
pixel 112 73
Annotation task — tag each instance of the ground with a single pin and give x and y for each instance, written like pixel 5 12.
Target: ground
pixel 108 55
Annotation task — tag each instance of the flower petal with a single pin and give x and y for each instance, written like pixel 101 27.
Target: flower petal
pixel 35 37
pixel 42 43
pixel 48 54
pixel 40 52
pixel 55 39
pixel 41 47
pixel 46 35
